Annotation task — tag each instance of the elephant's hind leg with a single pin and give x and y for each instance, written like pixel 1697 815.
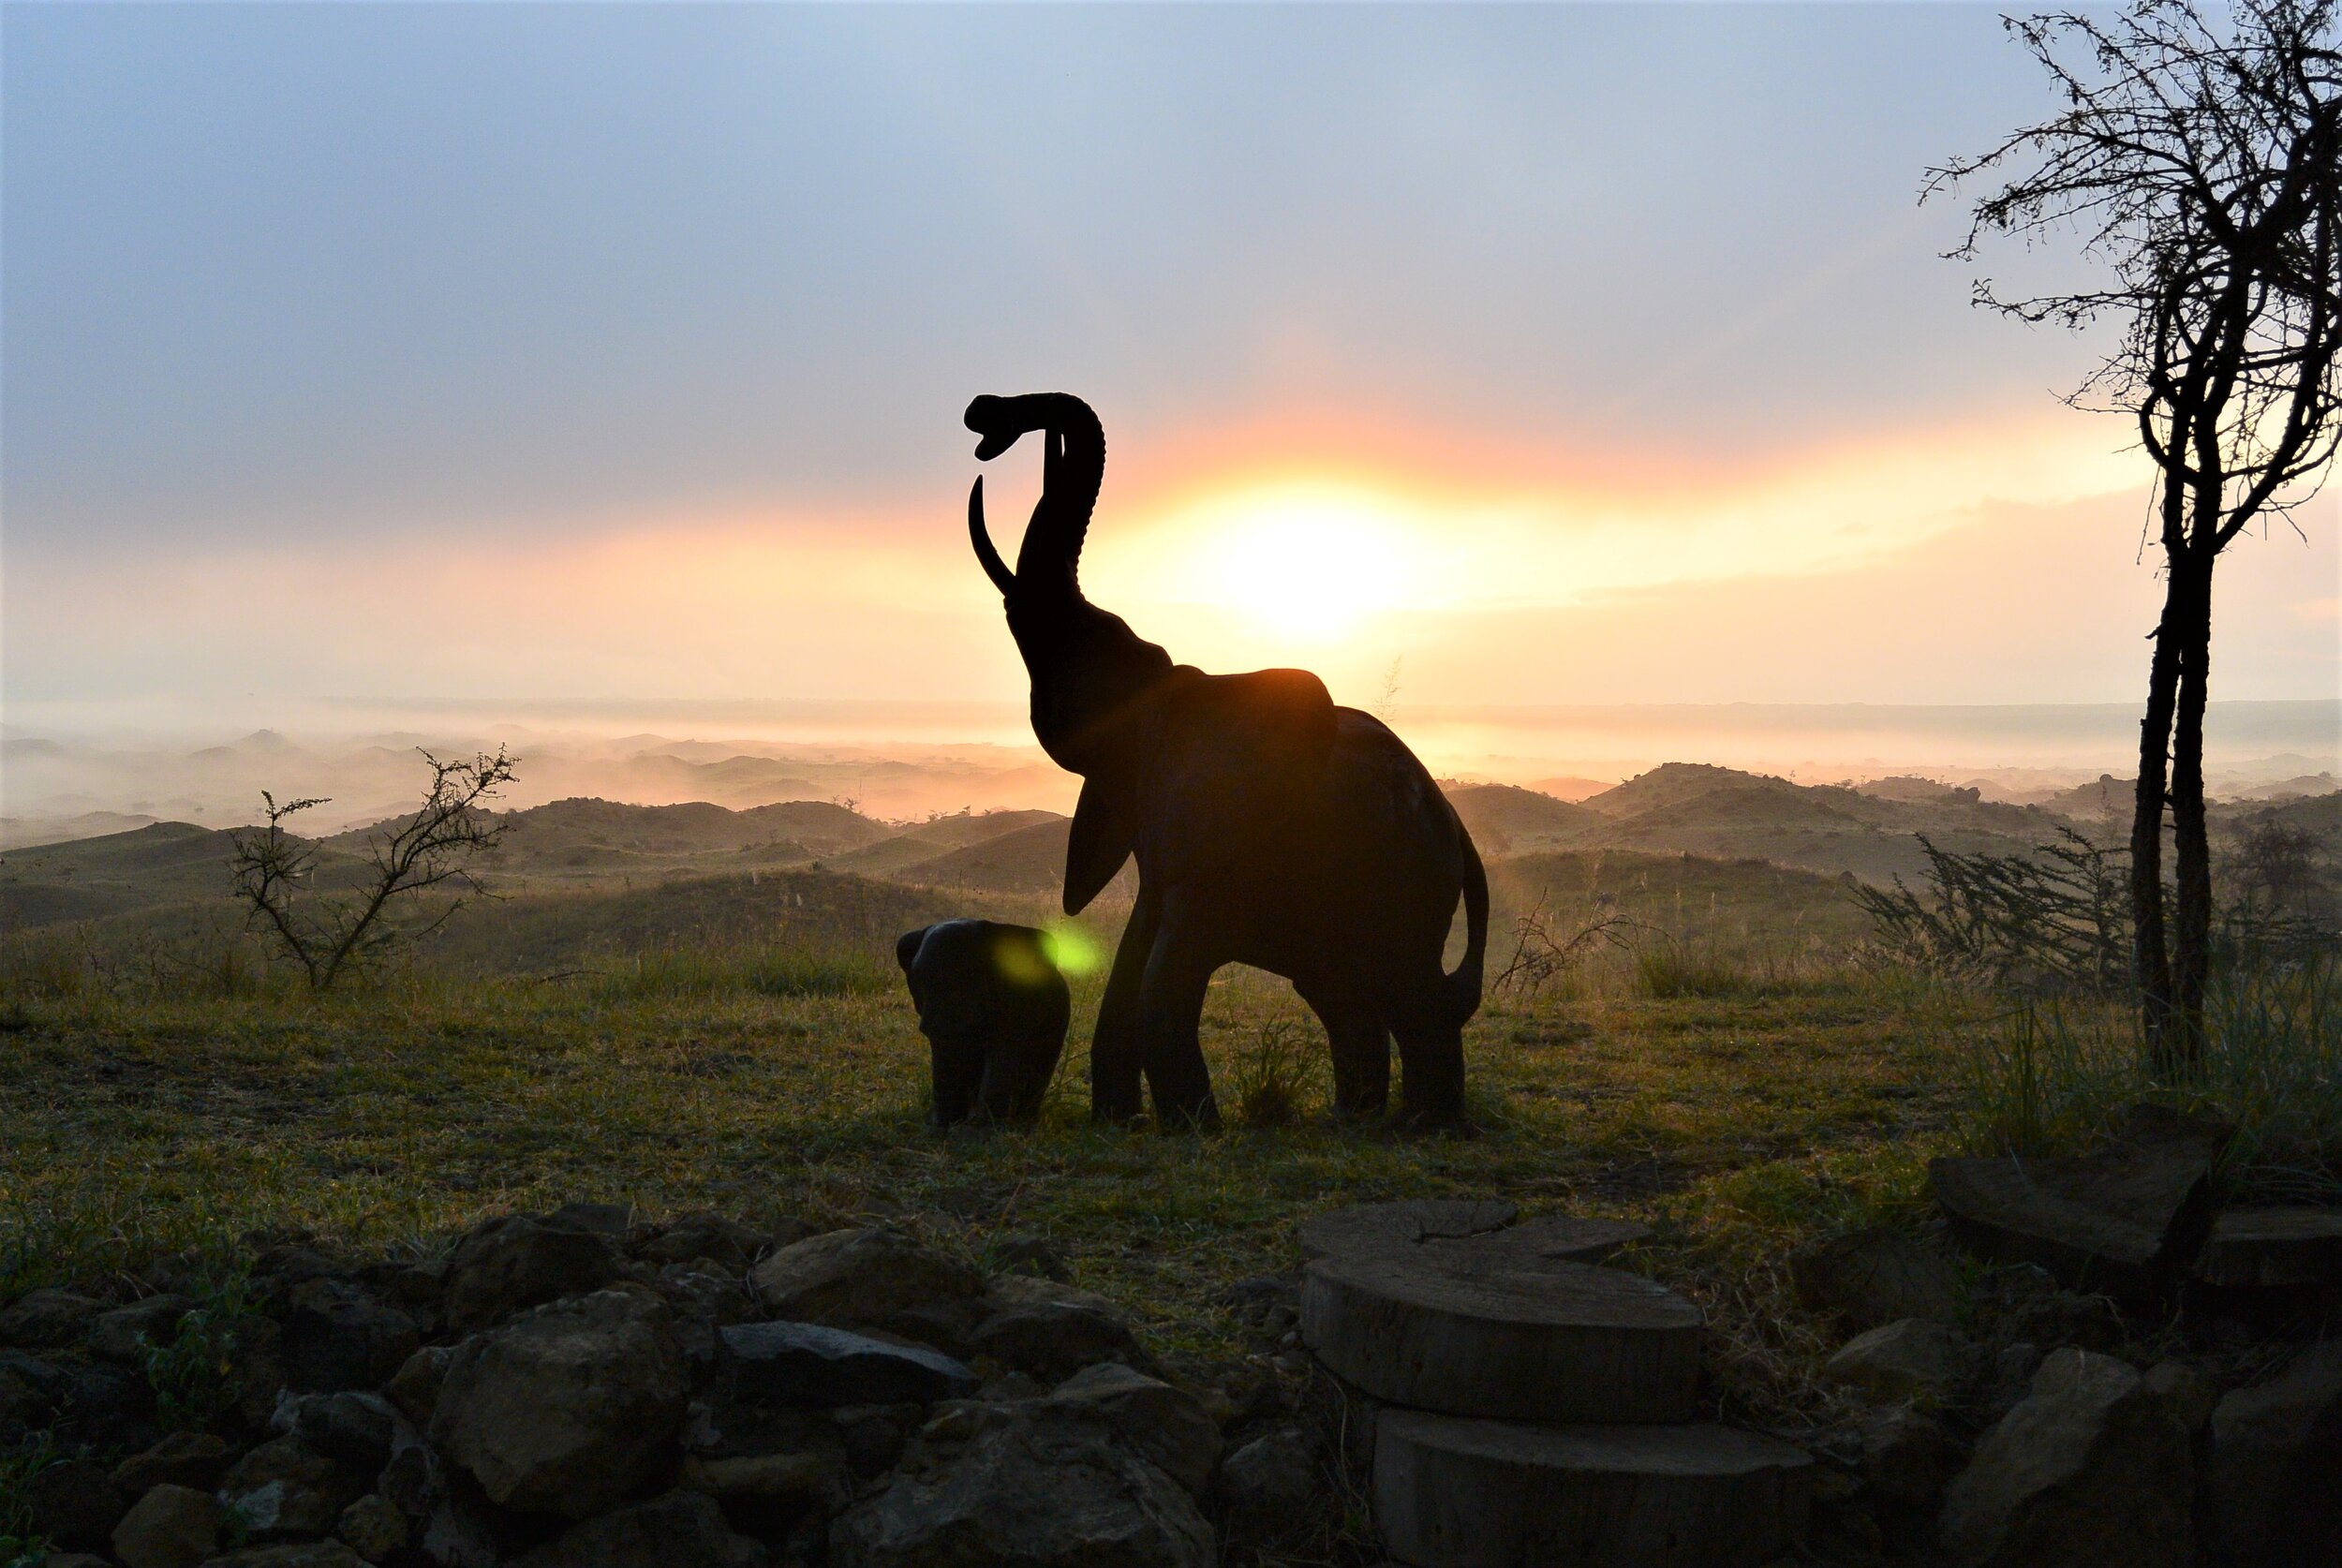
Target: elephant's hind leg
pixel 1361 1051
pixel 1430 1063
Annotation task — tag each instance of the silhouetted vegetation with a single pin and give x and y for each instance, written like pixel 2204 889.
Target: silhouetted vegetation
pixel 2201 165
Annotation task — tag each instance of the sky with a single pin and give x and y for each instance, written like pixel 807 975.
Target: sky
pixel 1515 355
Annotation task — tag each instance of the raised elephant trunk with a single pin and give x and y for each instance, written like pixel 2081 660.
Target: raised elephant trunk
pixel 1073 467
pixel 1086 665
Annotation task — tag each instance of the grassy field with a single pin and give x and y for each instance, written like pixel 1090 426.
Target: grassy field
pixel 1734 1123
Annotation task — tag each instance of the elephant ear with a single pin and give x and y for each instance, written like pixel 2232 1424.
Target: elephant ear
pixel 1104 832
pixel 907 946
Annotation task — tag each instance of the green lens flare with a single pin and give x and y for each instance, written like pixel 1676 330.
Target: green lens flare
pixel 1072 948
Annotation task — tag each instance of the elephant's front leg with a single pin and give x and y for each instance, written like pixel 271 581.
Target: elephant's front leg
pixel 1171 1014
pixel 1115 1049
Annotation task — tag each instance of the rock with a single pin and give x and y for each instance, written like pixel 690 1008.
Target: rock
pixel 1167 1425
pixel 171 1527
pixel 1908 1359
pixel 2186 1392
pixel 105 1406
pixel 610 1219
pixel 1377 1227
pixel 802 1363
pixel 766 1494
pixel 2275 1472
pixel 569 1407
pixel 1876 1276
pixel 2090 1468
pixel 1452 1493
pixel 2125 1220
pixel 195 1459
pixel 373 1527
pixel 1558 1343
pixel 1035 1257
pixel 1907 1459
pixel 46 1319
pixel 414 1388
pixel 286 1488
pixel 72 1559
pixel 681 1529
pixel 124 1334
pixel 1027 1487
pixel 520 1261
pixel 334 1336
pixel 874 1444
pixel 1272 1483
pixel 705 1236
pixel 2008 1379
pixel 1051 1331
pixel 861 1277
pixel 2267 1249
pixel 291 1554
pixel 75 1503
pixel 354 1430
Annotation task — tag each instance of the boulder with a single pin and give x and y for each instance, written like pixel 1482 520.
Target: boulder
pixel 2091 1470
pixel 1478 1335
pixel 75 1503
pixel 610 1219
pixel 291 1554
pixel 286 1488
pixel 195 1459
pixel 354 1430
pixel 681 1529
pixel 124 1334
pixel 1907 1459
pixel 522 1259
pixel 569 1407
pixel 704 1236
pixel 1023 1485
pixel 808 1364
pixel 46 1319
pixel 335 1335
pixel 1051 1331
pixel 861 1277
pixel 1909 1359
pixel 2271 1249
pixel 1877 1275
pixel 2125 1220
pixel 1167 1424
pixel 1032 1256
pixel 1454 1493
pixel 1272 1483
pixel 414 1388
pixel 171 1527
pixel 767 1494
pixel 2276 1470
pixel 373 1527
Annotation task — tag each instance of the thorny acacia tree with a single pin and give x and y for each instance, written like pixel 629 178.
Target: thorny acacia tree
pixel 325 934
pixel 2198 163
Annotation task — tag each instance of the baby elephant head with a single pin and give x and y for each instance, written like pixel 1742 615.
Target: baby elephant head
pixel 994 1009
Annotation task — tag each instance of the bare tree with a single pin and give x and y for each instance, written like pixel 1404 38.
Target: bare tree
pixel 2198 163
pixel 327 935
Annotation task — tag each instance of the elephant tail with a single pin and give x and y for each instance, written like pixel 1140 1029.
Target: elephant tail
pixel 1464 984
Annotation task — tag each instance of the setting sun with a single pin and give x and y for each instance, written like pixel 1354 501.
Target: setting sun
pixel 1301 560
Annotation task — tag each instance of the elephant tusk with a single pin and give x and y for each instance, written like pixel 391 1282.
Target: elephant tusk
pixel 978 536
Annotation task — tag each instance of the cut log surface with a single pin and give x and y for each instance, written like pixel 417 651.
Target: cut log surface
pixel 1453 1493
pixel 1373 1227
pixel 1550 1238
pixel 2267 1249
pixel 1482 1334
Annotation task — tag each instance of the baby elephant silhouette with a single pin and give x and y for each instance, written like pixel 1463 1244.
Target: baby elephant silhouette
pixel 994 1009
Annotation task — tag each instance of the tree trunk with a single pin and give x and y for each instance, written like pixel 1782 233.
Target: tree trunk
pixel 2191 932
pixel 2151 956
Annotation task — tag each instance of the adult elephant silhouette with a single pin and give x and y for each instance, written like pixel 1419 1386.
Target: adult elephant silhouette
pixel 1271 827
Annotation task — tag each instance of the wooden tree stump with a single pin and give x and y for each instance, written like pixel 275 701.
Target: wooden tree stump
pixel 1375 1227
pixel 1453 1493
pixel 1474 1331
